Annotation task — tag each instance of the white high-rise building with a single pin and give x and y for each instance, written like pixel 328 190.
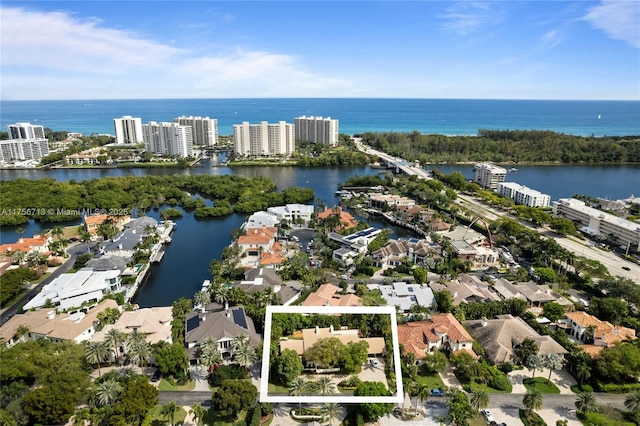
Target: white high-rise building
pixel 203 129
pixel 128 130
pixel 489 175
pixel 317 130
pixel 25 131
pixel 523 195
pixel 263 139
pixel 170 139
pixel 26 142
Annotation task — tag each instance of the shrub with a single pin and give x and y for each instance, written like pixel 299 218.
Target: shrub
pixel 506 367
pixel 225 372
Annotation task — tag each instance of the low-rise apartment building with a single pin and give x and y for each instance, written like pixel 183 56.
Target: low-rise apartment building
pixel 523 195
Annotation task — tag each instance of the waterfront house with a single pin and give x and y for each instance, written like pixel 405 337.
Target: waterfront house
pixel 256 241
pixel 293 213
pixel 261 279
pixel 262 219
pixel 394 252
pixel 77 327
pixel 125 243
pixel 73 290
pixel 386 201
pixel 222 326
pixel 92 222
pixel 441 332
pixel 344 220
pixel 467 288
pixel 39 243
pixel 501 336
pixel 535 295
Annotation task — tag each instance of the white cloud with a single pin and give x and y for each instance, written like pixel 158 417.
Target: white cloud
pixel 551 38
pixel 618 19
pixel 86 59
pixel 466 17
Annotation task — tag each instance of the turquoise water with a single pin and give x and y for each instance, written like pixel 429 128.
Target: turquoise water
pixel 444 116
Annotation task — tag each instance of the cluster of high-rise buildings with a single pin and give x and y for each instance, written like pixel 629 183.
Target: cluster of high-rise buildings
pixel 26 142
pixel 263 139
pixel 174 139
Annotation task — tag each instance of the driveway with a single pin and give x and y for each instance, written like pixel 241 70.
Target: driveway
pixel 561 378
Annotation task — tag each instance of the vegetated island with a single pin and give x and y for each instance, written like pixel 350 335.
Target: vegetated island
pixel 507 146
pixel 48 200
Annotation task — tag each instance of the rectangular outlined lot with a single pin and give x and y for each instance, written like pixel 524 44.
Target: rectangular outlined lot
pixel 397 393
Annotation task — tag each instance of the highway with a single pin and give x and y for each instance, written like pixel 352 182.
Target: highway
pixel 616 265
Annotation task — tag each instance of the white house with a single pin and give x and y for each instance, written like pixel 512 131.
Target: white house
pixel 293 212
pixel 406 295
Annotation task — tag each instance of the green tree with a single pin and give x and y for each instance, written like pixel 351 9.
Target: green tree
pixel 553 362
pixel 460 410
pixel 479 399
pixel 609 309
pixel 553 310
pixel 169 411
pixel 97 353
pixel 420 274
pixel 299 387
pixel 325 386
pixel 209 354
pixel 115 339
pixel 618 364
pixel 373 411
pixel 325 352
pixel 137 397
pixel 107 391
pixel 287 366
pixel 435 362
pixel 171 359
pixel 422 394
pixel 586 402
pixel 48 405
pixel 524 349
pixel 444 300
pixel 532 400
pixel 198 413
pixel 632 403
pixel 243 353
pixel 233 396
pixel 331 411
pixel 535 362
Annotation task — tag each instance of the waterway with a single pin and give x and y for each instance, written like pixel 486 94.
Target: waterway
pixel 196 242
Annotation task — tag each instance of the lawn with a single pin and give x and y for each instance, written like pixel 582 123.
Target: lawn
pixel 541 384
pixel 164 385
pixel 433 381
pixel 470 387
pixel 211 417
pixel 277 389
pixel 156 418
pixel 477 421
pixel 533 419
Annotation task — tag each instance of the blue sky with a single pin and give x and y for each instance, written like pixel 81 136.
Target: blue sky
pixel 396 49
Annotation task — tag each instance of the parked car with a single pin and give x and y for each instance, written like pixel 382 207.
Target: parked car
pixel 156 376
pixel 488 416
pixel 436 392
pixel 374 362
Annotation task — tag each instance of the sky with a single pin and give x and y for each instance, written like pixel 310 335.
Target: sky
pixel 326 49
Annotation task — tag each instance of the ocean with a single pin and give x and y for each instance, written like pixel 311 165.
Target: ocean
pixel 442 116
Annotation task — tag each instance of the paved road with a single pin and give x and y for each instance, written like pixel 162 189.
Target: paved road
pixel 73 252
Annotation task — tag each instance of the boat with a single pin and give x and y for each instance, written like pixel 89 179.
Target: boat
pixel 599 116
pixel 513 169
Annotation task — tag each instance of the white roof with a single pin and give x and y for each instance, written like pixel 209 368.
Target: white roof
pixel 406 295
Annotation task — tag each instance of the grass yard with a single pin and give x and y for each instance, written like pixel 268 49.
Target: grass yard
pixel 541 384
pixel 211 417
pixel 473 386
pixel 433 381
pixel 277 389
pixel 533 419
pixel 158 419
pixel 164 385
pixel 477 421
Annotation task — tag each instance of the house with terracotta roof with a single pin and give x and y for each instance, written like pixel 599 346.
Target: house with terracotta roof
pixel 587 328
pixel 442 332
pixel 326 296
pixel 38 244
pixel 47 324
pixel 310 337
pixel 256 241
pixel 345 219
pixel 92 222
pixel 501 336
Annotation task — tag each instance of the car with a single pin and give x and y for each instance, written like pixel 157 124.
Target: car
pixel 436 392
pixel 488 416
pixel 156 376
pixel 126 362
pixel 626 268
pixel 502 424
pixel 374 362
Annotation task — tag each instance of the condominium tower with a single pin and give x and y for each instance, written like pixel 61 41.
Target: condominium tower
pixel 26 142
pixel 263 139
pixel 128 130
pixel 317 130
pixel 489 175
pixel 203 129
pixel 169 139
pixel 523 195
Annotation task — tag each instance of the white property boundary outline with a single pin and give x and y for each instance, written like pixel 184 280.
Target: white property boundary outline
pixel 330 310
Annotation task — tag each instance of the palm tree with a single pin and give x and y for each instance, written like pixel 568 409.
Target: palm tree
pixel 553 362
pixel 480 399
pixel 243 353
pixel 331 411
pixel 169 411
pixel 586 402
pixel 107 392
pixel 325 386
pixel 96 353
pixel 18 257
pixel 197 412
pixel 632 403
pixel 57 232
pixel 21 331
pixel 81 416
pixel 532 400
pixel 535 362
pixel 422 395
pixel 137 348
pixel 115 338
pixel 210 355
pixel 202 299
pixel 299 387
pixel 583 372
